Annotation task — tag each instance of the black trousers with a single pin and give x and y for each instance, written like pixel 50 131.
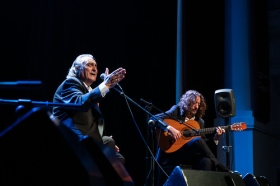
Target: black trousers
pixel 196 153
pixel 110 142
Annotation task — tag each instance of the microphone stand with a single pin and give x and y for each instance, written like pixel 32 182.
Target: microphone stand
pixel 159 110
pixel 46 104
pixel 24 84
pixel 161 123
pixel 150 106
pixel 23 104
pixel 227 147
pixel 150 139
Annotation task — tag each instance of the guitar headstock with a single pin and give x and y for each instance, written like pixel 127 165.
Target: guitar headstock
pixel 239 126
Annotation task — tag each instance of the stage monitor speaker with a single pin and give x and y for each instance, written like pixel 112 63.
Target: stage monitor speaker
pixel 251 180
pixel 110 166
pixel 224 103
pixel 35 150
pixel 186 177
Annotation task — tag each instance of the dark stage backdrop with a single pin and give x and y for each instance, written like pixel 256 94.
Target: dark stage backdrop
pixel 40 39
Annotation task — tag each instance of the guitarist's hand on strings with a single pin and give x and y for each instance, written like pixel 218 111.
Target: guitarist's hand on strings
pixel 176 134
pixel 219 133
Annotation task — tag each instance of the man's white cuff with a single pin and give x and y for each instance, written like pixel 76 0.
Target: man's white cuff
pixel 103 89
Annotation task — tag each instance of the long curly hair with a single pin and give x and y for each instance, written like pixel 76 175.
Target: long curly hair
pixel 190 97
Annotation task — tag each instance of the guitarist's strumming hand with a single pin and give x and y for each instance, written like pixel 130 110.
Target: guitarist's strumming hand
pixel 176 134
pixel 219 133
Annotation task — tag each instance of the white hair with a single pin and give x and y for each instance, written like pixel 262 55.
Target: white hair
pixel 83 58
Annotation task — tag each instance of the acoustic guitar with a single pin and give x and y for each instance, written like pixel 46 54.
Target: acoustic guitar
pixel 189 130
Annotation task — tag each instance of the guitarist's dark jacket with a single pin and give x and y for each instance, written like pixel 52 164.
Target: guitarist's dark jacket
pixel 175 113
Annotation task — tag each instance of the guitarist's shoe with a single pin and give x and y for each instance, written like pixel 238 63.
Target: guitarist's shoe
pixel 222 168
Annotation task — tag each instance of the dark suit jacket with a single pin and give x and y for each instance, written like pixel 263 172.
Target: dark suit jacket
pixel 86 121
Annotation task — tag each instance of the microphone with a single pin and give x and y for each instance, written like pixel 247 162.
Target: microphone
pixel 151 122
pixel 161 124
pixel 102 76
pixel 146 102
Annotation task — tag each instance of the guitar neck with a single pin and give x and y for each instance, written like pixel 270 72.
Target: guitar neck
pixel 198 132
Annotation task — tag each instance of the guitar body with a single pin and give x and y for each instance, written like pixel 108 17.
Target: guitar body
pixel 167 142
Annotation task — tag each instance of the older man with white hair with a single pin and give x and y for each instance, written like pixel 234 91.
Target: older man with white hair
pixel 76 89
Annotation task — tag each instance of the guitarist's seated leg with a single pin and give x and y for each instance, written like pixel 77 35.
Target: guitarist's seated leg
pixel 196 153
pixel 203 163
pixel 197 162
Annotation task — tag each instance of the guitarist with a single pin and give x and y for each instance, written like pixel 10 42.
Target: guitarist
pixel 196 152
